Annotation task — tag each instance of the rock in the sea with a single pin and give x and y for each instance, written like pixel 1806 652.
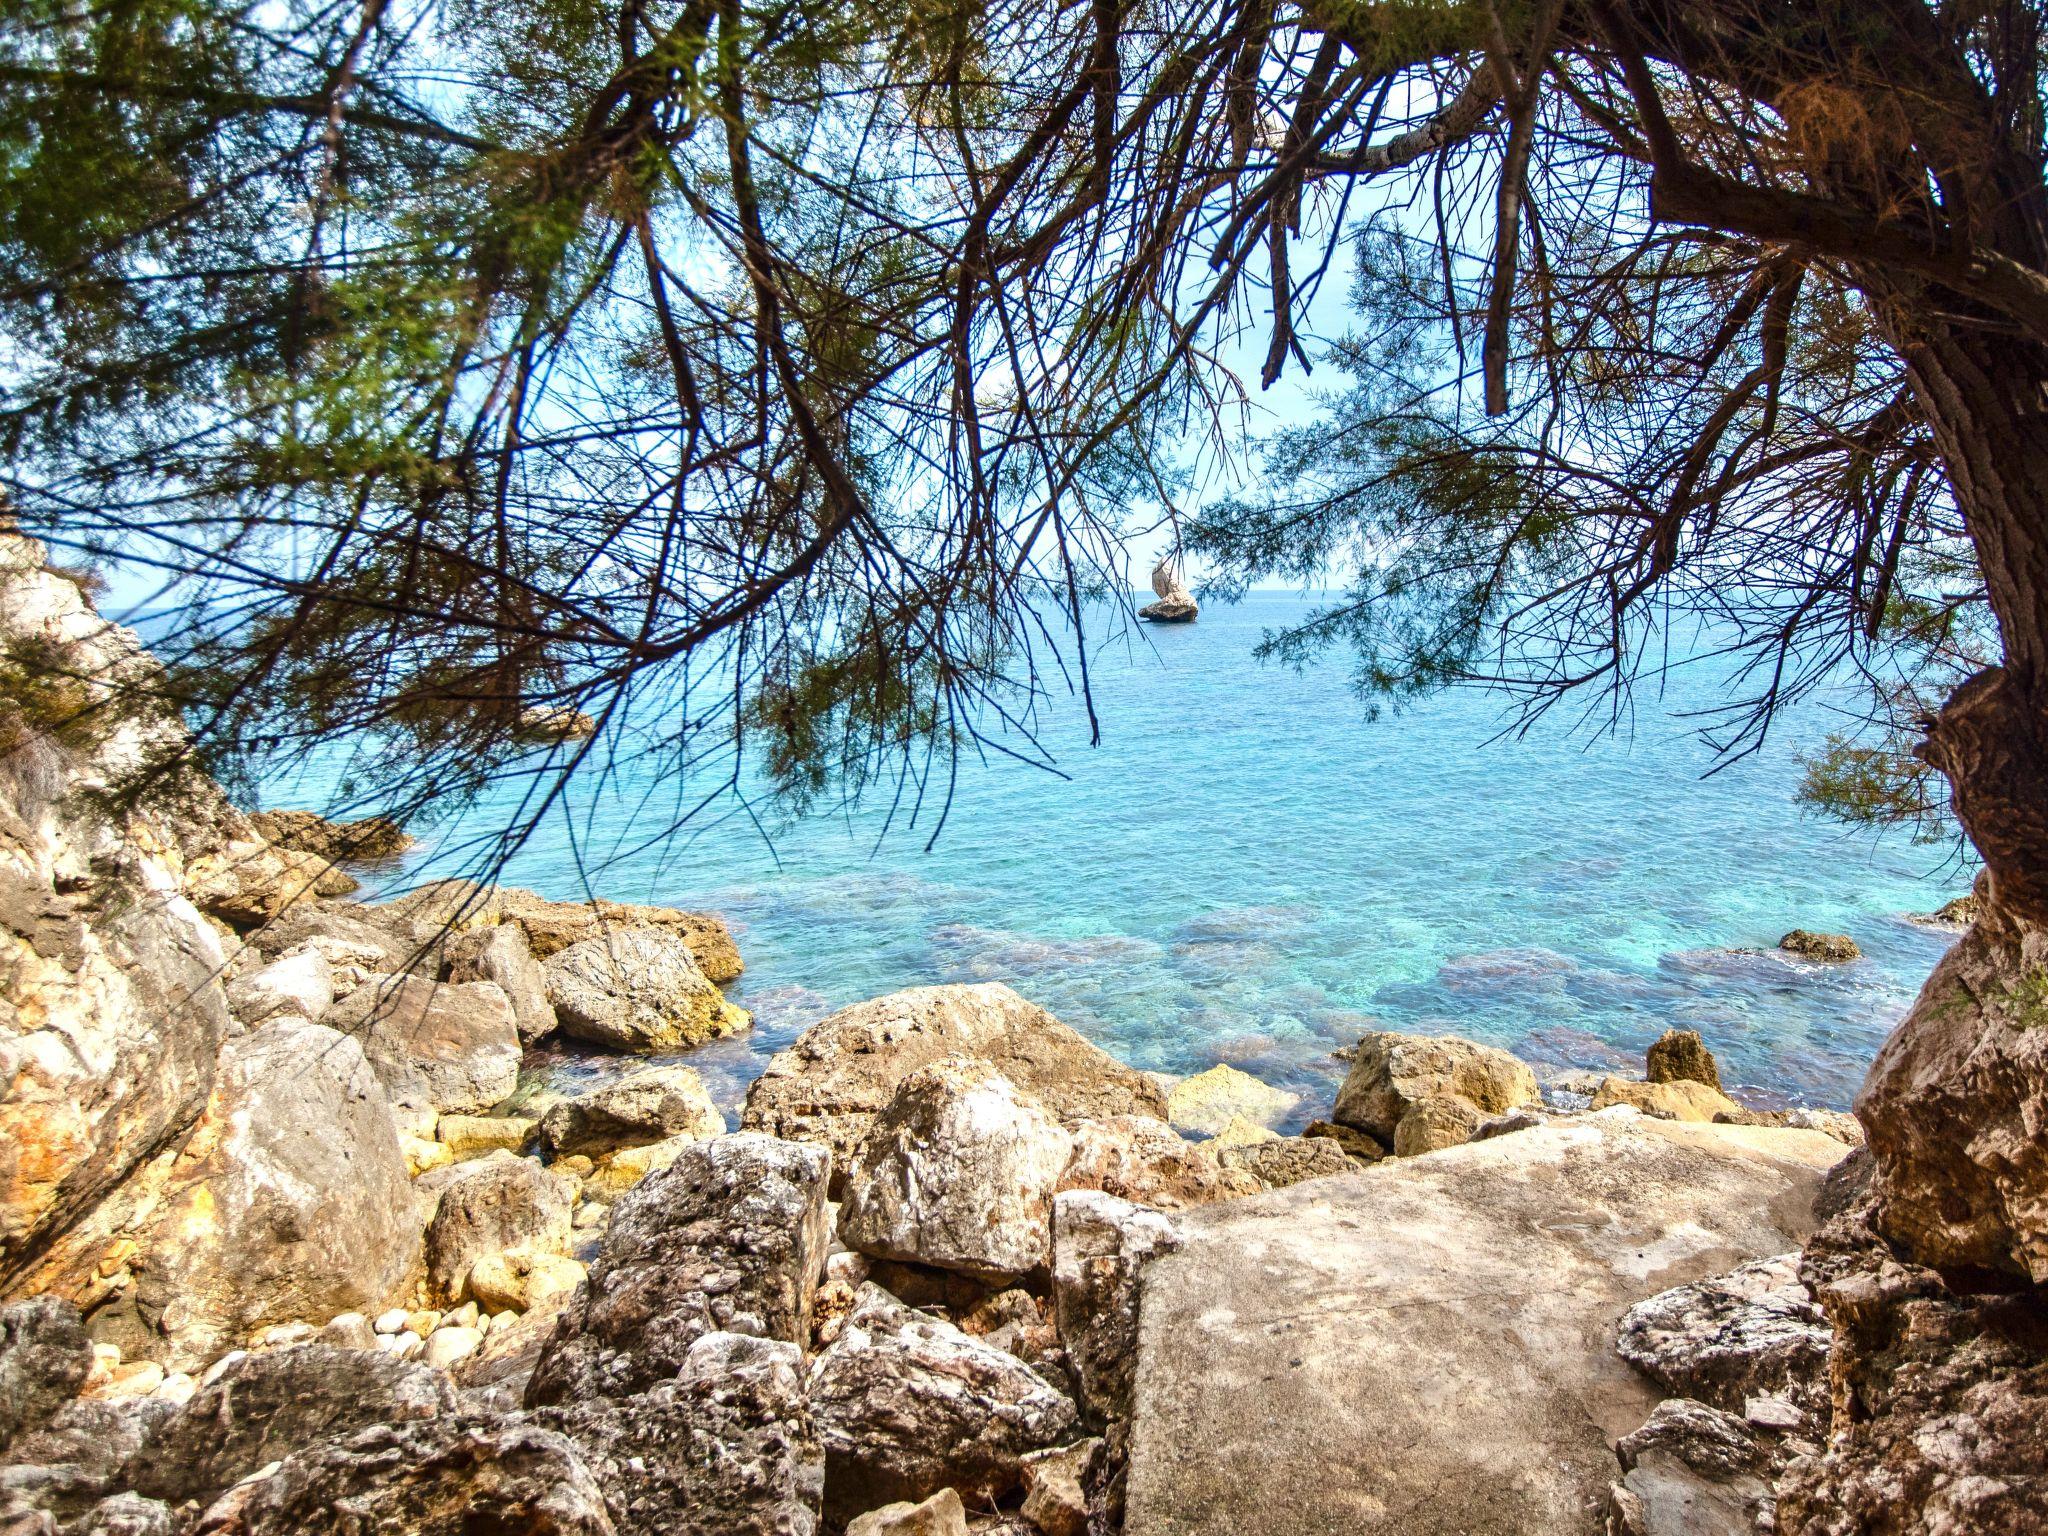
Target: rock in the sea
pixel 1286 1160
pixel 907 1405
pixel 729 1238
pixel 1691 1470
pixel 1176 604
pixel 289 1201
pixel 446 1476
pixel 1680 1055
pixel 1939 1400
pixel 650 1105
pixel 958 1173
pixel 552 926
pixel 638 989
pixel 940 1515
pixel 1101 1246
pixel 495 1205
pixel 1393 1076
pixel 340 842
pixel 842 1072
pixel 1753 1332
pixel 501 955
pixel 1208 1101
pixel 726 1446
pixel 1679 1099
pixel 1955 1106
pixel 1829 948
pixel 264 1406
pixel 435 1045
pixel 44 1360
pixel 1137 1158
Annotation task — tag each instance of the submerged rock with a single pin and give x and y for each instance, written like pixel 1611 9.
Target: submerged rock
pixel 638 989
pixel 907 1405
pixel 552 926
pixel 842 1072
pixel 958 1173
pixel 1829 948
pixel 1209 1101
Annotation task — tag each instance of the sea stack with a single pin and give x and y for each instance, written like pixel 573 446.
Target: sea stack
pixel 1176 604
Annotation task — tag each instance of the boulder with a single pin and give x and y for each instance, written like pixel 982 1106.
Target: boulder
pixel 1436 1121
pixel 617 1172
pixel 840 1073
pixel 289 1201
pixel 445 906
pixel 263 1407
pixel 500 955
pixel 248 883
pixel 1137 1158
pixel 1209 1101
pixel 958 1173
pixel 940 1515
pixel 45 1357
pixel 1055 1488
pixel 61 1471
pixel 524 1281
pixel 1680 1055
pixel 1392 1074
pixel 638 989
pixel 300 984
pixel 1691 1470
pixel 372 839
pixel 552 926
pixel 650 1105
pixel 435 1045
pixel 907 1405
pixel 730 1238
pixel 1286 1160
pixel 1828 948
pixel 1954 1107
pixel 356 941
pixel 470 1135
pixel 1176 604
pixel 495 1205
pixel 129 1514
pixel 444 1476
pixel 1436 1334
pixel 728 1446
pixel 1753 1332
pixel 1101 1246
pixel 1355 1144
pixel 1678 1099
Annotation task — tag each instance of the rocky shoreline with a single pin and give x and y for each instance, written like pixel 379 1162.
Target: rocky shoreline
pixel 288 1244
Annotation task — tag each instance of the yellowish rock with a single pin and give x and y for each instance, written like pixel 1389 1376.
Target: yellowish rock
pixel 522 1282
pixel 471 1135
pixel 1209 1100
pixel 422 1156
pixel 1240 1132
pixel 1679 1100
pixel 138 1378
pixel 619 1171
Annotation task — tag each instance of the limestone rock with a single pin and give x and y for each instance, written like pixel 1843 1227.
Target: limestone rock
pixel 841 1072
pixel 372 839
pixel 645 1106
pixel 1137 1158
pixel 1954 1107
pixel 355 940
pixel 299 984
pixel 1435 1121
pixel 1679 1055
pixel 1286 1160
pixel 940 1515
pixel 1755 1331
pixel 552 926
pixel 265 1406
pixel 435 1045
pixel 728 1446
pixel 730 1238
pixel 61 1471
pixel 444 1476
pixel 1239 1132
pixel 637 989
pixel 1691 1470
pixel 1436 1333
pixel 129 1514
pixel 289 1201
pixel 1355 1144
pixel 1393 1073
pixel 1176 604
pixel 1829 948
pixel 1101 1246
pixel 44 1360
pixel 958 1172
pixel 471 1135
pixel 1209 1100
pixel 248 882
pixel 499 1204
pixel 1679 1099
pixel 617 1172
pixel 907 1405
pixel 452 906
pixel 501 955
pixel 524 1281
pixel 1055 1483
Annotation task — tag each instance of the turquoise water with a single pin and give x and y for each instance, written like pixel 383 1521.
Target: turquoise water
pixel 1248 870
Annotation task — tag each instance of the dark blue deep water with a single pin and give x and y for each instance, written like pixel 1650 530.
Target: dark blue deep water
pixel 1248 870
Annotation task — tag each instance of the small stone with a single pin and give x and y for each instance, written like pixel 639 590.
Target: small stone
pixel 281 1335
pixel 1393 1074
pixel 222 1366
pixel 177 1387
pixel 1828 948
pixel 464 1316
pixel 447 1345
pixel 590 1214
pixel 423 1322
pixel 1055 1496
pixel 522 1282
pixel 392 1321
pixel 503 1320
pixel 940 1515
pixel 138 1378
pixel 1771 1411
pixel 628 1167
pixel 350 1330
pixel 422 1156
pixel 1680 1055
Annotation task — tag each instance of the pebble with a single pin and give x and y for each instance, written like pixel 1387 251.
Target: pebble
pixel 391 1322
pixel 423 1322
pixel 138 1379
pixel 448 1345
pixel 464 1316
pixel 219 1368
pixel 177 1387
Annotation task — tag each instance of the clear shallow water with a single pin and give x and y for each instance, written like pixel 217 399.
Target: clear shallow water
pixel 1249 871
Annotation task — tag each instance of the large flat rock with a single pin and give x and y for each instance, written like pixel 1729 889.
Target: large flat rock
pixel 1427 1346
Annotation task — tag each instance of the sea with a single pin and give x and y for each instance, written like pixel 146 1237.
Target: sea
pixel 1250 868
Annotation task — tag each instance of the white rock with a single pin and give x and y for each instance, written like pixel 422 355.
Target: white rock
pixel 301 982
pixel 446 1345
pixel 391 1322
